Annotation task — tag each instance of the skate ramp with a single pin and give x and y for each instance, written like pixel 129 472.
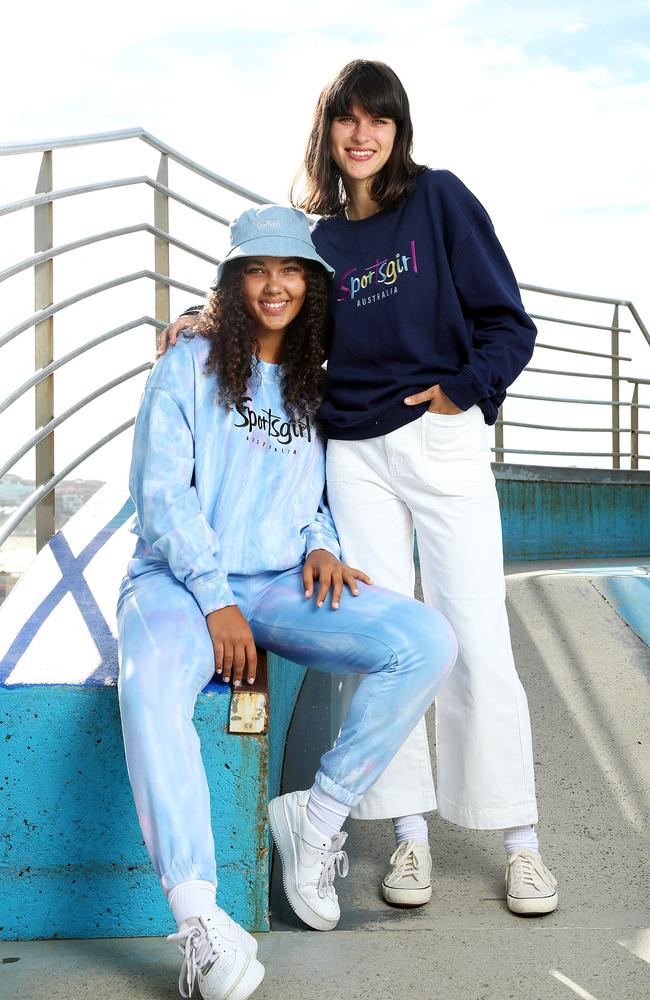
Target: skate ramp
pixel 586 674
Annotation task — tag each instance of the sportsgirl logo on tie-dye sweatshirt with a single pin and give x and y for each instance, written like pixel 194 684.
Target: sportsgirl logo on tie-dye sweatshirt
pixel 364 285
pixel 277 428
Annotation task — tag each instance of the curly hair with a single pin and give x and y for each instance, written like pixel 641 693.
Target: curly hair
pixel 234 348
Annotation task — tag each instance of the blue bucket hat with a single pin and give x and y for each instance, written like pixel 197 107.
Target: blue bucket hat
pixel 270 231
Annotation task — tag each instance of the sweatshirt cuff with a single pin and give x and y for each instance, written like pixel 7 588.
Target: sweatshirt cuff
pixel 212 593
pixel 460 389
pixel 317 541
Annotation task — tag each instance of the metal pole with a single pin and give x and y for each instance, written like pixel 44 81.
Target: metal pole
pixel 616 418
pixel 634 428
pixel 161 221
pixel 44 353
pixel 498 437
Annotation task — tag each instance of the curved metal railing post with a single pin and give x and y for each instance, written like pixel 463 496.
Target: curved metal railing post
pixel 499 450
pixel 634 428
pixel 44 351
pixel 616 394
pixel 161 252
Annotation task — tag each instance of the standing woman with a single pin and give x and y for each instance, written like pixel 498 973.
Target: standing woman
pixel 428 331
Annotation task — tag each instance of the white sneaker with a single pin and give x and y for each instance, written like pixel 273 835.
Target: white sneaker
pixel 408 883
pixel 530 886
pixel 309 861
pixel 223 969
pixel 232 932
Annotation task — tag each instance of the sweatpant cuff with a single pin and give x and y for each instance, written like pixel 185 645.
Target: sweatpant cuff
pixel 187 873
pixel 477 818
pixel 337 791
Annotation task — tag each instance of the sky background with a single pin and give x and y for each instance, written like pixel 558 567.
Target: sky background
pixel 542 111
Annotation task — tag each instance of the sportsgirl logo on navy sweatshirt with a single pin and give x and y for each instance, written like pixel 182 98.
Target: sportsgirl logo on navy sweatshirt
pixel 363 285
pixel 278 429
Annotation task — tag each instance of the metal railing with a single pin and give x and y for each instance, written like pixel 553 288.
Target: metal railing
pixel 557 333
pixel 617 380
pixel 46 308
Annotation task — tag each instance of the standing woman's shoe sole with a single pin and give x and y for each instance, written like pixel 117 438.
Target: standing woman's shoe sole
pixel 286 848
pixel 406 897
pixel 532 907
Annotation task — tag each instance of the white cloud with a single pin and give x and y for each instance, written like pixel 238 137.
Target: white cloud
pixel 575 26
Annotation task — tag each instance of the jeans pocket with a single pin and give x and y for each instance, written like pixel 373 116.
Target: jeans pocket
pixel 341 461
pixel 456 453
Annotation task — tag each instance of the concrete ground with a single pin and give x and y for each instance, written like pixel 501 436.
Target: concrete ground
pixel 586 675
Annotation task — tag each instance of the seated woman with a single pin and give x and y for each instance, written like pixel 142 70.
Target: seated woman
pixel 236 546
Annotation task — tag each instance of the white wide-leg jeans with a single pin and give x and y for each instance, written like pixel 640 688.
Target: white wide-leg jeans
pixel 433 476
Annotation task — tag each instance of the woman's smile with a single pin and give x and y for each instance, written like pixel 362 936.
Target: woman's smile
pixel 274 306
pixel 360 154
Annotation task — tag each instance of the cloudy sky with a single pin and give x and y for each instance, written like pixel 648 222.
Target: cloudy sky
pixel 543 110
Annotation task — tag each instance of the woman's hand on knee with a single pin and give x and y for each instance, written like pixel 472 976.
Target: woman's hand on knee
pixel 321 565
pixel 234 646
pixel 171 333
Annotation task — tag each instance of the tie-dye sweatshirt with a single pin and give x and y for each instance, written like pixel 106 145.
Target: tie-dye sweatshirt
pixel 222 491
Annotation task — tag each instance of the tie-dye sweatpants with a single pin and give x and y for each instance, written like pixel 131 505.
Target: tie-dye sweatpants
pixel 405 649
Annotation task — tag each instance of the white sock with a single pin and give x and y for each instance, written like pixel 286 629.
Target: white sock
pixel 327 814
pixel 411 828
pixel 192 899
pixel 518 837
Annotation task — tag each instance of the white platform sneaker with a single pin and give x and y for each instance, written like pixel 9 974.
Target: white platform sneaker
pixel 231 931
pixel 217 956
pixel 309 861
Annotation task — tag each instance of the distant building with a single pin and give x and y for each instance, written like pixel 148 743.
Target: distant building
pixel 70 496
pixel 13 490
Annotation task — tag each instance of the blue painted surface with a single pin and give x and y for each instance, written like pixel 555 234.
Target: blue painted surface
pixel 630 598
pixel 72 860
pixel 573 514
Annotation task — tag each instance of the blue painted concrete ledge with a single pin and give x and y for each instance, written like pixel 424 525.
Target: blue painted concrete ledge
pixel 554 513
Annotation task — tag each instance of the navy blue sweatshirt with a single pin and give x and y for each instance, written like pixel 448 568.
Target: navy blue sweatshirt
pixel 423 295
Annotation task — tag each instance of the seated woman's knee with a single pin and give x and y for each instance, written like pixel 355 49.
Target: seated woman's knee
pixel 425 632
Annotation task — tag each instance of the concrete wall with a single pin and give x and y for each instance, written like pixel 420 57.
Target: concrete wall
pixel 72 860
pixel 552 513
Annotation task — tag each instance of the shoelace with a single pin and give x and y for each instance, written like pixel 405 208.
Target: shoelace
pixel 197 949
pixel 405 861
pixel 335 863
pixel 526 866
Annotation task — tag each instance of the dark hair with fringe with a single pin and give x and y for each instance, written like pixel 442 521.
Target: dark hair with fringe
pixel 378 89
pixel 230 330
